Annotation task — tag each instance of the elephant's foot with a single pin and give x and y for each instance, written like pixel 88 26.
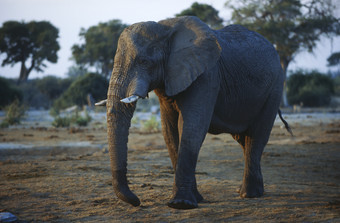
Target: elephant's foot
pixel 182 204
pixel 198 196
pixel 184 200
pixel 125 194
pixel 251 191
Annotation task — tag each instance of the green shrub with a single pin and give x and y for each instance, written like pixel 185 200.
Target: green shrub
pixel 151 125
pixel 61 121
pixel 75 118
pixel 77 93
pixel 312 89
pixel 80 120
pixel 135 120
pixel 14 113
pixel 53 112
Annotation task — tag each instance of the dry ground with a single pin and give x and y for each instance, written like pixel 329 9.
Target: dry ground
pixel 64 175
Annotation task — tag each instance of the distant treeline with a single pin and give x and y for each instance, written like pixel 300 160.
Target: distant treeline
pixel 307 88
pixel 53 92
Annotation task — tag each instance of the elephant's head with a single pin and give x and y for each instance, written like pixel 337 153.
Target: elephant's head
pixel 170 54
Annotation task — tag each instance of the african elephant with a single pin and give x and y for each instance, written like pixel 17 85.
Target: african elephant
pixel 216 81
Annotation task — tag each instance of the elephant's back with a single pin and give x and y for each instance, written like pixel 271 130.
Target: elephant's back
pixel 247 60
pixel 237 34
pixel 246 46
pixel 250 70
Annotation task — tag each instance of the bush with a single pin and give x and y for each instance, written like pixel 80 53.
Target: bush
pixel 80 120
pixel 14 113
pixel 61 121
pixel 66 121
pixel 77 93
pixel 151 125
pixel 8 92
pixel 312 89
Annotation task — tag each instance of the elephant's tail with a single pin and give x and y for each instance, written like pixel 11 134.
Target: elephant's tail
pixel 285 123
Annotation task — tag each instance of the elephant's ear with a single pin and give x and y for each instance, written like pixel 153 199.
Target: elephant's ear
pixel 193 50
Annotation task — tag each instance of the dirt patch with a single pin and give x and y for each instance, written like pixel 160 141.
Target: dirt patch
pixel 57 180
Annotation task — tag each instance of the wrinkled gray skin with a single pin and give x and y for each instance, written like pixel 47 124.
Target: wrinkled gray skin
pixel 224 81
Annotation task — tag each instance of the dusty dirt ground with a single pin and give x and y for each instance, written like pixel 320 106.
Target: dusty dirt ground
pixel 63 175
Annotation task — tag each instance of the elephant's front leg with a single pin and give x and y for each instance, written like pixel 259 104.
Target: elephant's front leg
pixel 169 117
pixel 195 107
pixel 185 193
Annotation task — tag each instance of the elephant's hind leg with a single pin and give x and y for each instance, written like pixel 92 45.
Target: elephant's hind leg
pixel 252 185
pixel 253 142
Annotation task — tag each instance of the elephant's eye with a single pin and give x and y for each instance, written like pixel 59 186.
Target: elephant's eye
pixel 144 62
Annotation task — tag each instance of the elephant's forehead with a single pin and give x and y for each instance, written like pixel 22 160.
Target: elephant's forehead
pixel 134 44
pixel 127 44
pixel 146 30
pixel 144 33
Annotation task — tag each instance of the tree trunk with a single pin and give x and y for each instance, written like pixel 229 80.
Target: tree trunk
pixel 23 73
pixel 284 100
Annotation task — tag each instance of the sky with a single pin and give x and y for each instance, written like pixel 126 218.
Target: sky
pixel 69 16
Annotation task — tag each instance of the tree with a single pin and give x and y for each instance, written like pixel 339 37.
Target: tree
pixel 77 93
pixel 311 89
pixel 100 46
pixel 334 59
pixel 204 12
pixel 32 42
pixel 291 25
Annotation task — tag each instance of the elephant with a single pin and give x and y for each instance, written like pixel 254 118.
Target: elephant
pixel 207 81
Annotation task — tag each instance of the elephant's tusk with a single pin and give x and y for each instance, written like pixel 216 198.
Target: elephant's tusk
pixel 101 103
pixel 130 99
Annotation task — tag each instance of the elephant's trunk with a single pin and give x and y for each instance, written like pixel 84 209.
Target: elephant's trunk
pixel 118 123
